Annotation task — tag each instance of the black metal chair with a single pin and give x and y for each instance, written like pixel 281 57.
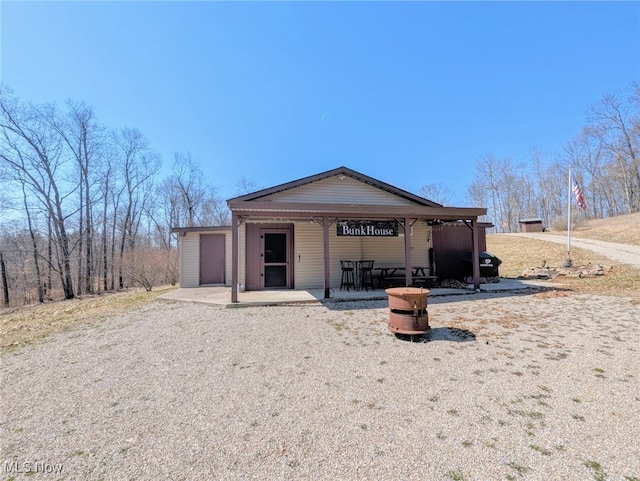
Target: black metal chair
pixel 348 279
pixel 366 275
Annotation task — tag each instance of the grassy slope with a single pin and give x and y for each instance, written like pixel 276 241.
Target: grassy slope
pixel 25 324
pixel 517 254
pixel 624 229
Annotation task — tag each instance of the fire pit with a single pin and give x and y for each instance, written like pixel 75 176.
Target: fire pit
pixel 408 310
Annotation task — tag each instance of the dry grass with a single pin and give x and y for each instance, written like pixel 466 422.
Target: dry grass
pixel 624 229
pixel 518 254
pixel 25 324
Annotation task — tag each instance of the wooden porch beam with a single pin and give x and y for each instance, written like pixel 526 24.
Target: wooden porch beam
pixel 327 257
pixel 407 252
pixel 476 254
pixel 235 249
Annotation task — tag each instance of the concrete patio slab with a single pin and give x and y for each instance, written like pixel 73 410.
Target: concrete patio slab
pixel 221 296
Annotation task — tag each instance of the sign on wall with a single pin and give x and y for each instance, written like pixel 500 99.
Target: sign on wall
pixel 367 228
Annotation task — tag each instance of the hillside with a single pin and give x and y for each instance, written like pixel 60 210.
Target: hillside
pixel 624 229
pixel 520 253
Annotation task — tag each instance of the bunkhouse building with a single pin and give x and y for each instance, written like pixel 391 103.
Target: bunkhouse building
pixel 302 234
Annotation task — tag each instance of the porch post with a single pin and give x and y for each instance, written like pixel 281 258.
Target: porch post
pixel 407 252
pixel 327 257
pixel 234 257
pixel 476 254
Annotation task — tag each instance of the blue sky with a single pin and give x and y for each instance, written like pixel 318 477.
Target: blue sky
pixel 410 93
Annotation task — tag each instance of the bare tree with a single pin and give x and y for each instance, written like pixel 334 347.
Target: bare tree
pixel 189 181
pixel 82 192
pixel 551 189
pixel 246 185
pixel 106 194
pixel 508 190
pixel 33 151
pixel 137 165
pixel 478 195
pixel 487 179
pixel 215 211
pixel 34 245
pixel 5 283
pixel 168 212
pixel 614 121
pixel 437 192
pixel 187 199
pixel 84 138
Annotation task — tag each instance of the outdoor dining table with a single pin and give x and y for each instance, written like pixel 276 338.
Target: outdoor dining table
pixel 388 273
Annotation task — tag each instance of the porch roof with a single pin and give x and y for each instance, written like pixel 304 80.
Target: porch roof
pixel 256 208
pixel 206 228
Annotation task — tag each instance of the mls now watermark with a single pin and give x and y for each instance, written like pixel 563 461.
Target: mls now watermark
pixel 27 467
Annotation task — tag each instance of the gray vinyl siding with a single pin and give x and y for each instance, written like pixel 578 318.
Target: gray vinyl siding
pixel 389 251
pixel 228 264
pixel 190 260
pixel 308 243
pixel 336 191
pixel 385 251
pixel 309 253
pixel 308 256
pixel 342 248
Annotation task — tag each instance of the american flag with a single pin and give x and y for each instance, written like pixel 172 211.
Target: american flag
pixel 577 192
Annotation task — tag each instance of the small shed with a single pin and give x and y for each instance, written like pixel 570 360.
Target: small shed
pixel 531 225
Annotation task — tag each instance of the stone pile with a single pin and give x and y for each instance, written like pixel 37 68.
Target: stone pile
pixel 551 272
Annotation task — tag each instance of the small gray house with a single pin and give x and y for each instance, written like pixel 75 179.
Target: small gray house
pixel 294 235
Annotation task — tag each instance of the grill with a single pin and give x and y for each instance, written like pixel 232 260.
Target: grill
pixel 408 310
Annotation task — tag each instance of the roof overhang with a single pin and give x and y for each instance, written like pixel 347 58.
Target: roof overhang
pixel 211 228
pixel 264 209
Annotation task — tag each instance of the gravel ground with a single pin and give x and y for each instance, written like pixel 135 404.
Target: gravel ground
pixel 536 387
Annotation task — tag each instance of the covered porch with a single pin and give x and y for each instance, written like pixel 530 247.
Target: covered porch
pixel 327 216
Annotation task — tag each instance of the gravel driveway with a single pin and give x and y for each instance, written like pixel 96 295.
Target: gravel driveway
pixel 537 387
pixel 622 253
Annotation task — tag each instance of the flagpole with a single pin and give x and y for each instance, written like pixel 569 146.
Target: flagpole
pixel 568 262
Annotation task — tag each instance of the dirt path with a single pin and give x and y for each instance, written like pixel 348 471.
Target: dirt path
pixel 622 253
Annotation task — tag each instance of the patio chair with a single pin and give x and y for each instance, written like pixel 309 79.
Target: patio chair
pixel 347 280
pixel 366 275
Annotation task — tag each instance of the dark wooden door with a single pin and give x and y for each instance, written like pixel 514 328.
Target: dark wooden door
pixel 452 244
pixel 212 260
